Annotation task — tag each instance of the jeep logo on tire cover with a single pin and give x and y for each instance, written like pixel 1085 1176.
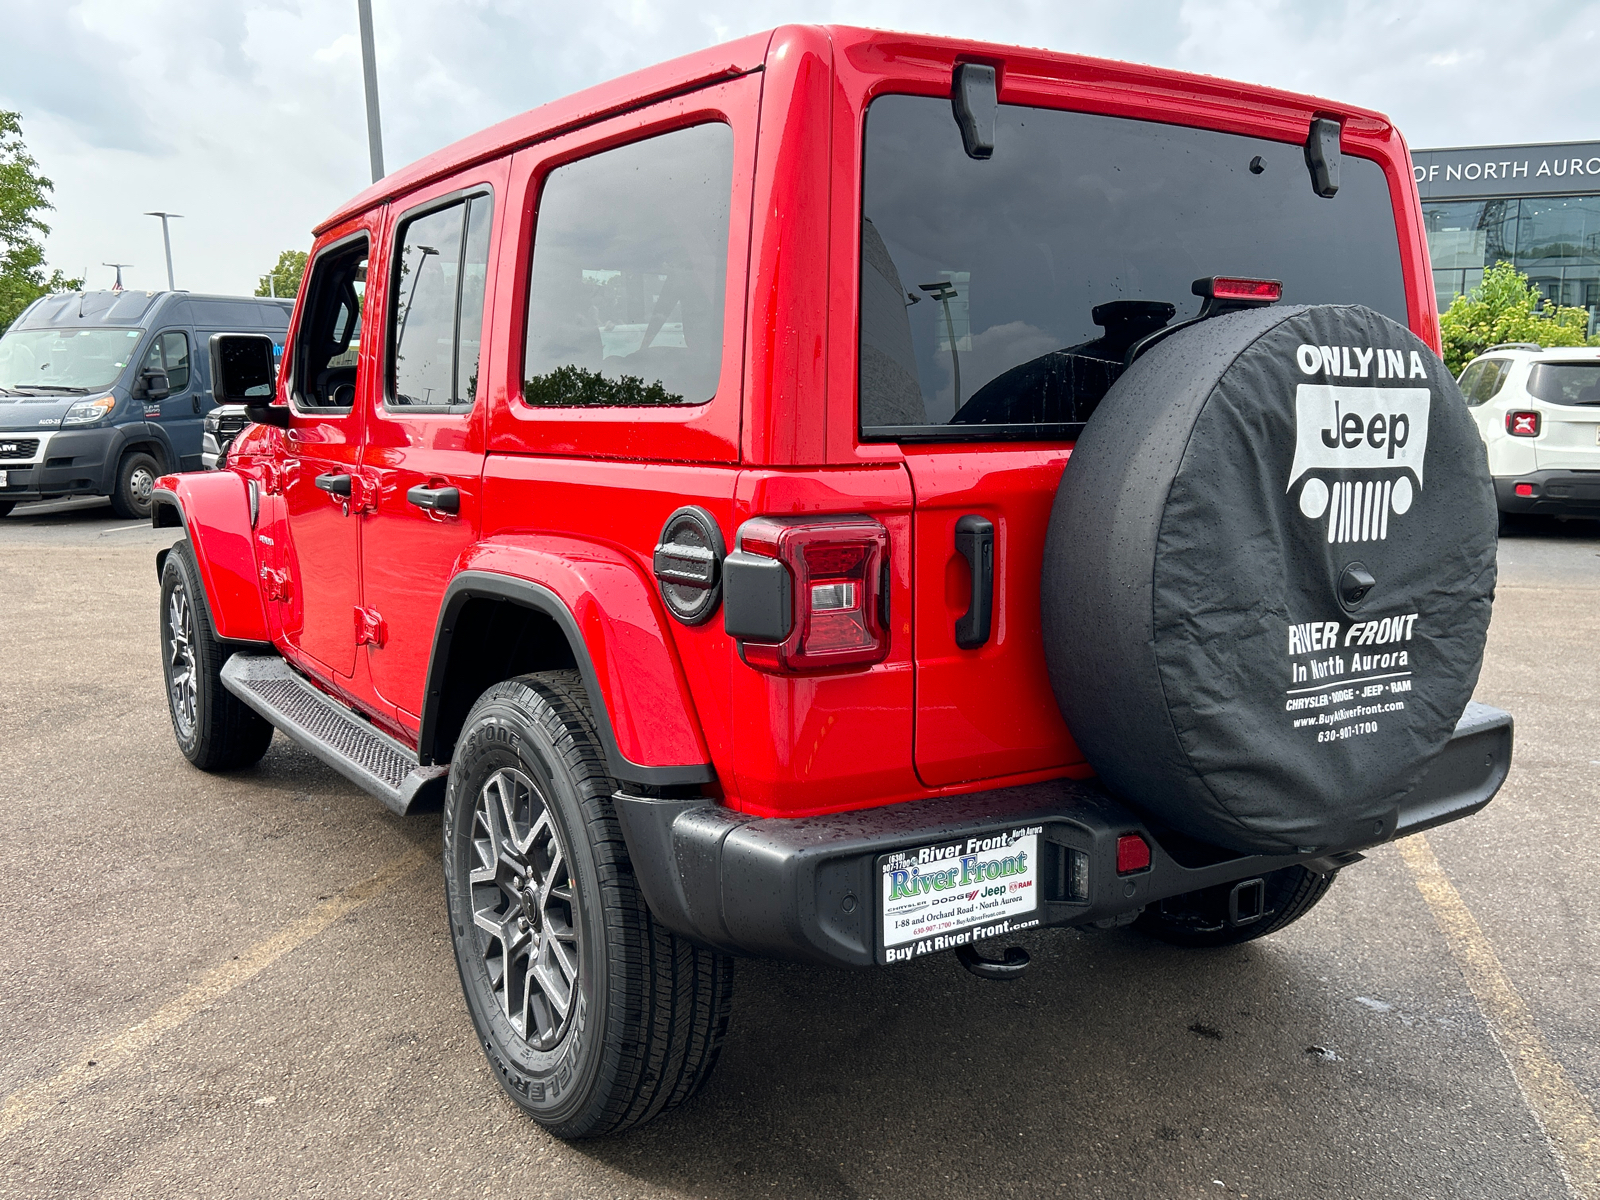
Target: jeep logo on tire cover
pixel 1382 430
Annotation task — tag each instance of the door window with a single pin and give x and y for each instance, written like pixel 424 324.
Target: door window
pixel 170 353
pixel 437 313
pixel 329 343
pixel 630 259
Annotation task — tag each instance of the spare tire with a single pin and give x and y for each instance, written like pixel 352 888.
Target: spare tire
pixel 1268 575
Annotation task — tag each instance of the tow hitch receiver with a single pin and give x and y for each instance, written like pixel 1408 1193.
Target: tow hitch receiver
pixel 1247 902
pixel 1011 967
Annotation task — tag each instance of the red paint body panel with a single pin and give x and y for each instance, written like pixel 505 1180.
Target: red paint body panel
pixel 216 516
pixel 575 499
pixel 616 610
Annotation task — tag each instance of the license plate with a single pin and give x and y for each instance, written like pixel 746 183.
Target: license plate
pixel 4 482
pixel 937 897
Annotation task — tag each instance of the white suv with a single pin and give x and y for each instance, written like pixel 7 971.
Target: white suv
pixel 1538 411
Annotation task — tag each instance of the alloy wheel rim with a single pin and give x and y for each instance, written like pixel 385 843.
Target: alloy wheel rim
pixel 524 909
pixel 182 685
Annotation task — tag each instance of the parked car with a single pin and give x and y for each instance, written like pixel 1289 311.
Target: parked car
pixel 1538 411
pixel 221 425
pixel 844 497
pixel 101 392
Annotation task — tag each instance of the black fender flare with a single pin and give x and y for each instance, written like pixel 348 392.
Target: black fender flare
pixel 476 585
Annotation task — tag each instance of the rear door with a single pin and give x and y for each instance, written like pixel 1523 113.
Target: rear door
pixel 423 457
pixel 999 298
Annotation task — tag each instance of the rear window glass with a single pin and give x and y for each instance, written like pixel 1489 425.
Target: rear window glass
pixel 999 296
pixel 1565 383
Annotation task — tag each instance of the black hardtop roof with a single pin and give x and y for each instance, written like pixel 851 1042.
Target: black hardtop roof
pixel 144 310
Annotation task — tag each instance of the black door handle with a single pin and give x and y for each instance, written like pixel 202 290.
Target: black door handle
pixel 334 485
pixel 445 499
pixel 975 543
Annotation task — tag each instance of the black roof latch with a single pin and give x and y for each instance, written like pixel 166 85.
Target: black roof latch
pixel 975 100
pixel 1322 156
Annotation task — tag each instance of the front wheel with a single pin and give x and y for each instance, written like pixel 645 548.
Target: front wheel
pixel 593 1017
pixel 136 481
pixel 215 729
pixel 1205 919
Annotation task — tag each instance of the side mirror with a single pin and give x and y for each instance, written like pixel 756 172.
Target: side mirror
pixel 243 372
pixel 152 385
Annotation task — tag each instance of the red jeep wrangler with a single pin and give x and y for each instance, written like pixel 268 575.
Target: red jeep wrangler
pixel 842 497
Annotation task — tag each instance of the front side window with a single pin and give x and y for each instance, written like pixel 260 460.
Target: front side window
pixel 170 353
pixel 630 259
pixel 1565 383
pixel 440 275
pixel 328 346
pixel 999 296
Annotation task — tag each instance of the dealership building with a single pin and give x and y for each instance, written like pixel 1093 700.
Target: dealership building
pixel 1536 206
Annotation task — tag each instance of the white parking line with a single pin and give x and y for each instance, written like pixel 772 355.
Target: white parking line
pixel 28 1103
pixel 1557 1105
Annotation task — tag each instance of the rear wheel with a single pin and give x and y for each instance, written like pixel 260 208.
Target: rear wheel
pixel 136 480
pixel 1209 917
pixel 593 1017
pixel 215 729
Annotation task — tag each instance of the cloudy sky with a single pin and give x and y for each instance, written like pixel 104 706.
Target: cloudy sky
pixel 246 115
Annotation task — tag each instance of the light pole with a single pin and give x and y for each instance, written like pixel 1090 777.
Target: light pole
pixel 117 286
pixel 272 286
pixel 944 292
pixel 166 240
pixel 369 75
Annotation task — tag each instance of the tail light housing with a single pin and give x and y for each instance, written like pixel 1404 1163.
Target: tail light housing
pixel 804 594
pixel 1522 424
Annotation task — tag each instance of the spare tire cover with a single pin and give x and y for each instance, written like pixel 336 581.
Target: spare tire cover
pixel 1203 623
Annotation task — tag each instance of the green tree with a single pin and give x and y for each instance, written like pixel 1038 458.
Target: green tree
pixel 285 276
pixel 1507 308
pixel 24 193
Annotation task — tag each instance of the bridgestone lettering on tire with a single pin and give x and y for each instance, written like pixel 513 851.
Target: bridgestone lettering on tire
pixel 1268 577
pixel 593 1017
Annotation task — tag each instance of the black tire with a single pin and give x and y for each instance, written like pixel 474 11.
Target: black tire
pixel 646 1011
pixel 214 728
pixel 1199 920
pixel 130 497
pixel 6 506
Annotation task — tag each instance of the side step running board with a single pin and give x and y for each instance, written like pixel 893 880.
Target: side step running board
pixel 350 745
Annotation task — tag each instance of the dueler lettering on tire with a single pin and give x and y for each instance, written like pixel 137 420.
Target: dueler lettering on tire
pixel 1268 577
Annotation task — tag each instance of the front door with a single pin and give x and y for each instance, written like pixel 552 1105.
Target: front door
pixel 425 429
pixel 320 476
pixel 179 410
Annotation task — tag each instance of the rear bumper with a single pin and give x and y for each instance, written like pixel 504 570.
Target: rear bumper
pixel 1555 493
pixel 806 889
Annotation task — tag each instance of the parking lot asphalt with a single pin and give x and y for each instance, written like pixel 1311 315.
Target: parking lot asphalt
pixel 242 985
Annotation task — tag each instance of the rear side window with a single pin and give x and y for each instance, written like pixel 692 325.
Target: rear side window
pixel 630 259
pixel 437 311
pixel 170 353
pixel 999 296
pixel 1481 380
pixel 1565 383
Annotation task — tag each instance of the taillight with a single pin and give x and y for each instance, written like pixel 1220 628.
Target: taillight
pixel 803 593
pixel 1522 424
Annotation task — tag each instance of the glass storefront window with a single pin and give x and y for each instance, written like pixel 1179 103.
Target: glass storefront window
pixel 1555 240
